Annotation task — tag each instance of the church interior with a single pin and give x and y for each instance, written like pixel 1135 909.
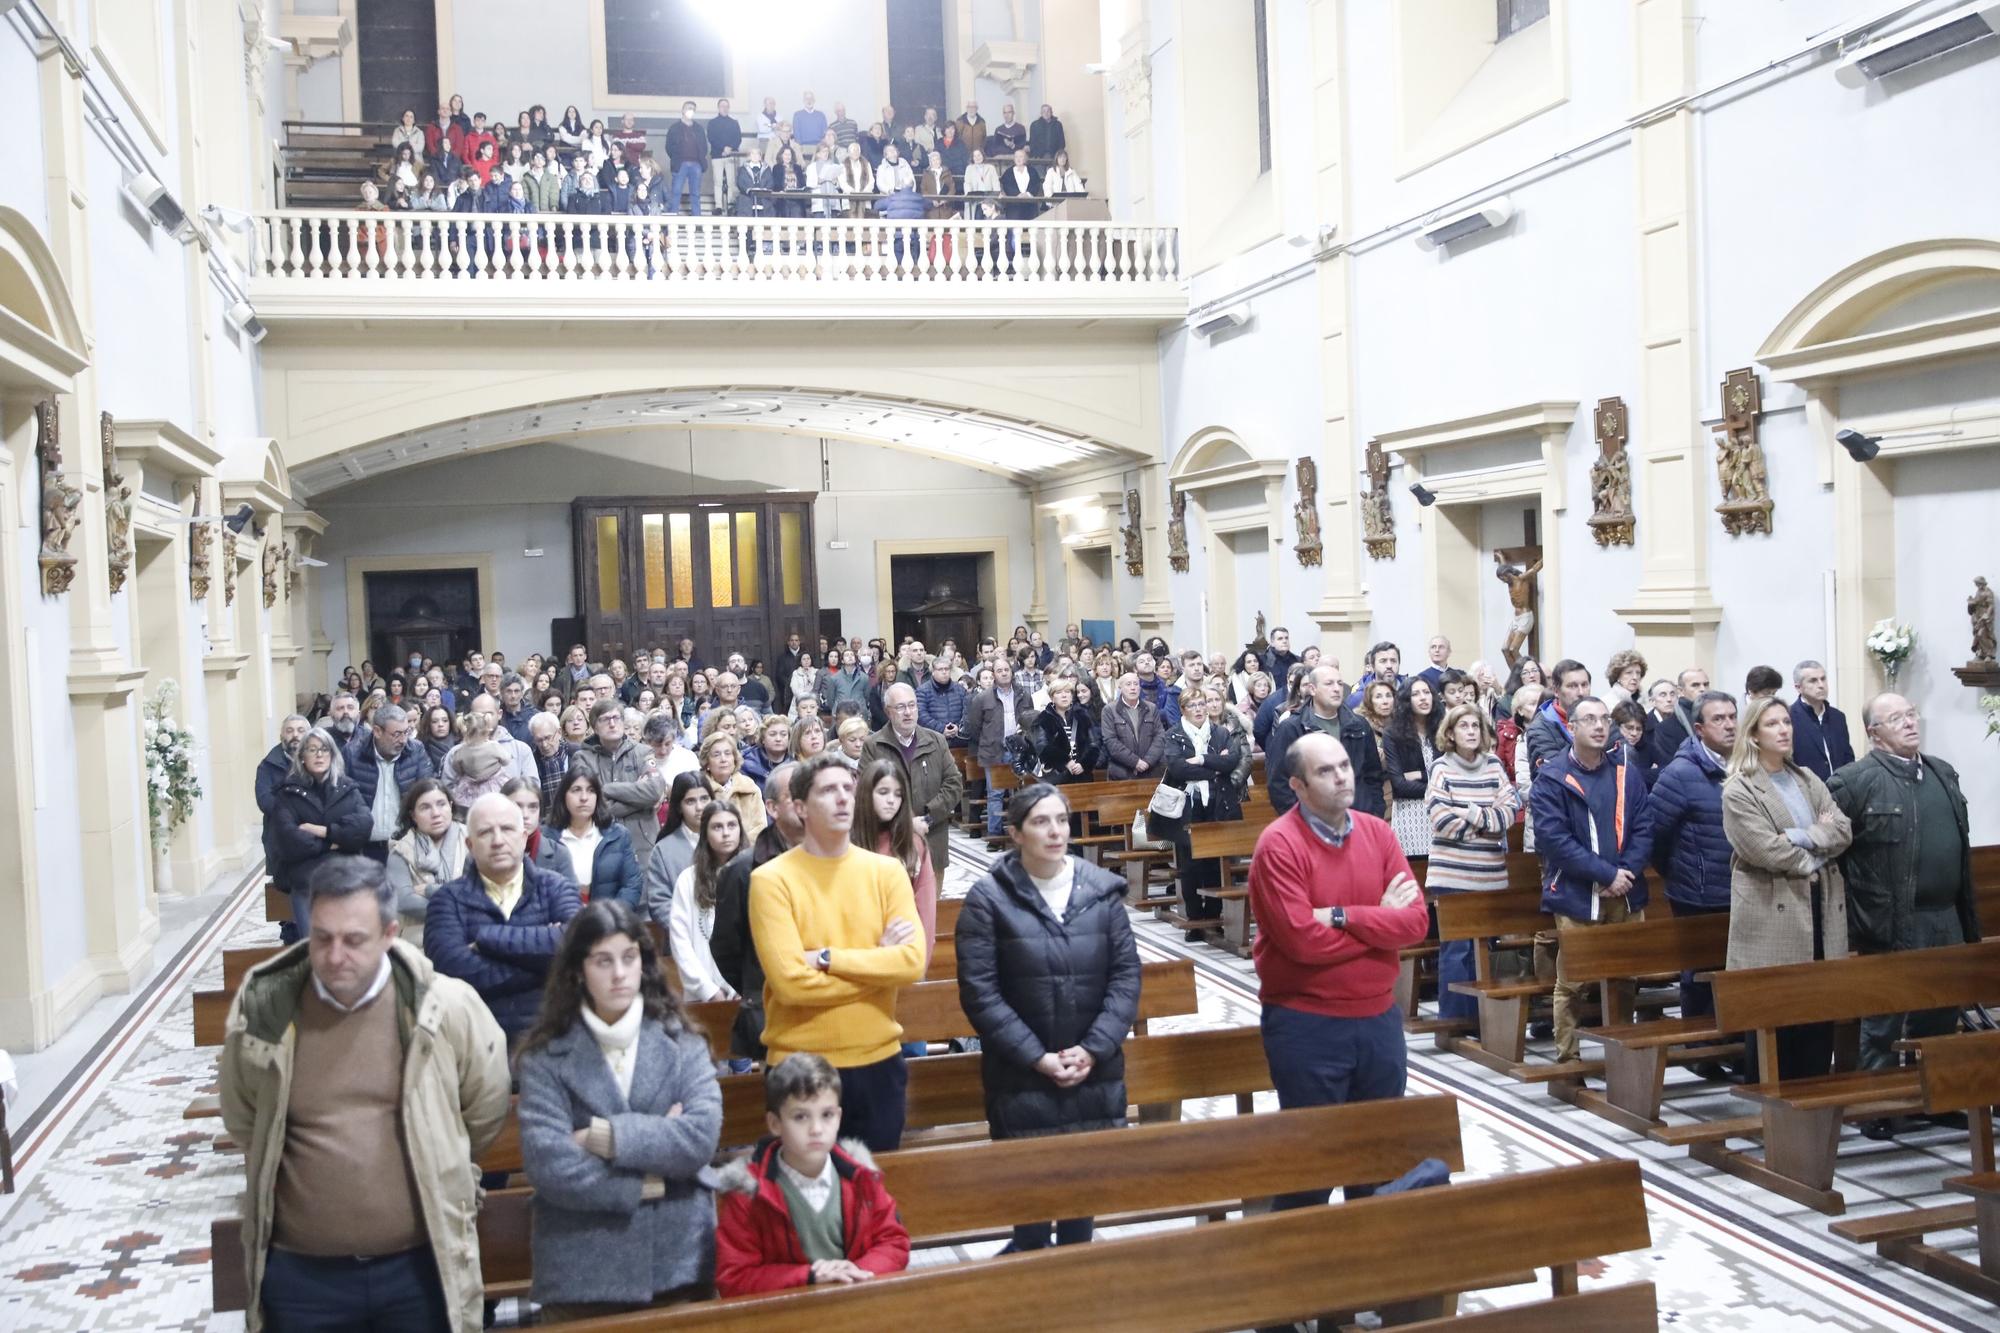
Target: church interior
pixel 1516 336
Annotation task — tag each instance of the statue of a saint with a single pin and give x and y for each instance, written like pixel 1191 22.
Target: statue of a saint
pixel 1980 607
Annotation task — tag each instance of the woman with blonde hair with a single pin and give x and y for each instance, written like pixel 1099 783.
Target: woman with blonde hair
pixel 721 770
pixel 1787 903
pixel 851 736
pixel 575 725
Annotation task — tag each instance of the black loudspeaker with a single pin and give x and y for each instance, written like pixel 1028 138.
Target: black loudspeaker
pixel 564 631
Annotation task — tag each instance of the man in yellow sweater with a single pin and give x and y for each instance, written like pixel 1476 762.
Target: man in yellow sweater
pixel 836 929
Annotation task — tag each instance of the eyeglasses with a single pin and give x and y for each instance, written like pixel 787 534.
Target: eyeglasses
pixel 1898 719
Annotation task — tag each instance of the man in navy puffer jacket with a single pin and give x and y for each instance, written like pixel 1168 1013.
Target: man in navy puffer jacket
pixel 1685 809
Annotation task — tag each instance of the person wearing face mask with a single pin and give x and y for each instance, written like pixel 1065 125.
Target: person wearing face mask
pixel 624 1205
pixel 687 150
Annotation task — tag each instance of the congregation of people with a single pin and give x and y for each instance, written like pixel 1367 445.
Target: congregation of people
pixel 807 164
pixel 540 865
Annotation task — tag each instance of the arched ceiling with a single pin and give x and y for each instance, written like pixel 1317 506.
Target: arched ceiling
pixel 1012 447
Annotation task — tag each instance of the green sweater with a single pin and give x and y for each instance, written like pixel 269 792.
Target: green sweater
pixel 819 1229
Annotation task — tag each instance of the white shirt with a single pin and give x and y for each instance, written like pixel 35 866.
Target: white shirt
pixel 813 1189
pixel 582 853
pixel 388 801
pixel 679 760
pixel 374 989
pixel 1055 890
pixel 688 927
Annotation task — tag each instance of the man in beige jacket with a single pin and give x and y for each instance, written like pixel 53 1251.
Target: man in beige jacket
pixel 361 1084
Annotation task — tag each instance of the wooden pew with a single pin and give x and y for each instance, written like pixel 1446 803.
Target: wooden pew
pixel 277 903
pixel 1636 1053
pixel 1802 1117
pixel 1958 1073
pixel 946 1099
pixel 956 1195
pixel 1254 1272
pixel 1223 842
pixel 1510 914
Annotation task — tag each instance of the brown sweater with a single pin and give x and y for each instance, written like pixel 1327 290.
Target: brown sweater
pixel 344 1185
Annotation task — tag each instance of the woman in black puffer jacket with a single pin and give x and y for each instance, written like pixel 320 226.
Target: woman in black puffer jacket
pixel 319 813
pixel 1049 975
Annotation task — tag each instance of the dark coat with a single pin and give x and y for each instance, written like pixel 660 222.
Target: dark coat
pixel 1564 799
pixel 1052 745
pixel 595 1237
pixel 1403 754
pixel 1878 795
pixel 412 765
pixel 1670 733
pixel 548 853
pixel 614 870
pixel 941 706
pixel 1128 740
pixel 1217 768
pixel 1690 847
pixel 1820 744
pixel 732 946
pixel 1547 735
pixel 1031 984
pixel 271 771
pixel 511 962
pixel 339 809
pixel 1355 737
pixel 984 720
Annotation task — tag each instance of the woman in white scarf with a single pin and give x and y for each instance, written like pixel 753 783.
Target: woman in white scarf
pixel 1201 761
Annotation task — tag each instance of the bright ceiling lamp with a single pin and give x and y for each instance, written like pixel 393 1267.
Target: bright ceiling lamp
pixel 779 22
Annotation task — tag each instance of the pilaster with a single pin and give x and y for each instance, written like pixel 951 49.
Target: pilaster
pixel 119 919
pixel 1155 612
pixel 1673 613
pixel 1342 614
pixel 1037 614
pixel 26 1002
pixel 1133 80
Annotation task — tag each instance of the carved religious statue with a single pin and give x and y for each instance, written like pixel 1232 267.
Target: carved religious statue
pixel 268 569
pixel 1739 459
pixel 198 572
pixel 1306 513
pixel 1378 521
pixel 295 567
pixel 1177 547
pixel 228 565
pixel 1262 640
pixel 1521 596
pixel 117 510
pixel 61 506
pixel 1135 549
pixel 1611 519
pixel 1980 607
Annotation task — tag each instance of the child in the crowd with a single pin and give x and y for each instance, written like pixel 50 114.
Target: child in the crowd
pixel 802 1209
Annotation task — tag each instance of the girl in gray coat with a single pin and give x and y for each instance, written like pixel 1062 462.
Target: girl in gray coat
pixel 620 1114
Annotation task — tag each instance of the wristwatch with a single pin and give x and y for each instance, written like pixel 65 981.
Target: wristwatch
pixel 825 959
pixel 1339 918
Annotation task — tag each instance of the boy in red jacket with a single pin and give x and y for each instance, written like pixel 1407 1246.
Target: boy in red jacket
pixel 801 1210
pixel 1335 903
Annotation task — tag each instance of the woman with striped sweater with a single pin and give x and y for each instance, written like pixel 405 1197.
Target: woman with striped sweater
pixel 1471 803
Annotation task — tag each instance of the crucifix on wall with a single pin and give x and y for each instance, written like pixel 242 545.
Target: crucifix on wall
pixel 1520 568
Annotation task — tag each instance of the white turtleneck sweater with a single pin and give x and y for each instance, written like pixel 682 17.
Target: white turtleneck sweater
pixel 619 1042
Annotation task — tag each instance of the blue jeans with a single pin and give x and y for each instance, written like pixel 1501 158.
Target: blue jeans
pixel 996 805
pixel 387 1294
pixel 688 175
pixel 1320 1061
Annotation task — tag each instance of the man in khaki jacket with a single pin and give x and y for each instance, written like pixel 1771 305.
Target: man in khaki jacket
pixel 361 1083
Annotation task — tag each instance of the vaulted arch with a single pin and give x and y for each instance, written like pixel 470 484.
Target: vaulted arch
pixel 41 339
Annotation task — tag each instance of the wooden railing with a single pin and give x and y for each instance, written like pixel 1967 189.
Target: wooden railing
pixel 326 246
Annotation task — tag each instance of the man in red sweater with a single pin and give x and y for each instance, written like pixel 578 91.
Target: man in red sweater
pixel 1334 902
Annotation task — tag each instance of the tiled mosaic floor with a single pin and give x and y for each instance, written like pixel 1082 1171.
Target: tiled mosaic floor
pixel 110 1229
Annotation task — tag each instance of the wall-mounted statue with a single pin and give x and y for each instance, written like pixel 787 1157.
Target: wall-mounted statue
pixel 1739 459
pixel 198 571
pixel 1135 547
pixel 117 510
pixel 1980 607
pixel 61 505
pixel 228 565
pixel 1378 520
pixel 295 568
pixel 1177 547
pixel 1611 519
pixel 268 569
pixel 1306 513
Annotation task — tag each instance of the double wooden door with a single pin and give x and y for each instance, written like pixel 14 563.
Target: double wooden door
pixel 734 573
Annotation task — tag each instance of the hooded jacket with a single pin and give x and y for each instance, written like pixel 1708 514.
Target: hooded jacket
pixel 1689 845
pixel 632 789
pixel 1589 825
pixel 454 1104
pixel 1031 984
pixel 757 1247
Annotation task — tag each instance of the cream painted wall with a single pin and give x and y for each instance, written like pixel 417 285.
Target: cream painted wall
pixel 470 505
pixel 22 185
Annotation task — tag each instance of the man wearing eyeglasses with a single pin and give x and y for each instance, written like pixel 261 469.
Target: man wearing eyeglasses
pixel 1909 869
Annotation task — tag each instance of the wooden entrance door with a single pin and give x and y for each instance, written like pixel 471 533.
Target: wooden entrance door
pixel 733 573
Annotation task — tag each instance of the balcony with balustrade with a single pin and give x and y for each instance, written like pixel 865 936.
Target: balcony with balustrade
pixel 310 264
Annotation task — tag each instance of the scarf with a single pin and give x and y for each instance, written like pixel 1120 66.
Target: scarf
pixel 618 1042
pixel 433 861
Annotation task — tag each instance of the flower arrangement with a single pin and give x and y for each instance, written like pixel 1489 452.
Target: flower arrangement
pixel 1892 643
pixel 1989 704
pixel 171 785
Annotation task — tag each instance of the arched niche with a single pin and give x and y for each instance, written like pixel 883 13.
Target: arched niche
pixel 41 339
pixel 1236 501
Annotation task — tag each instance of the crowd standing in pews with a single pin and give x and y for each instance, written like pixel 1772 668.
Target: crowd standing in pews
pixel 786 831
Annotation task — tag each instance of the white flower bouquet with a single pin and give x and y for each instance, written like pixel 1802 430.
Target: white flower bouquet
pixel 1892 643
pixel 171 785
